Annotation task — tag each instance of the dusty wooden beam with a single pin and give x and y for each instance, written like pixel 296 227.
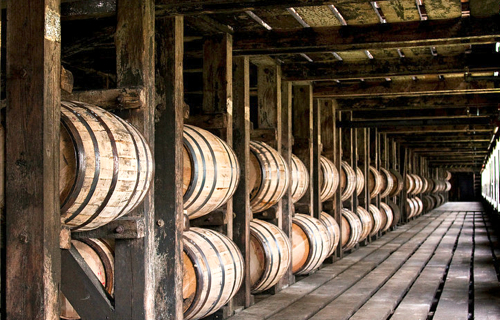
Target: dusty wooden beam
pixel 123 228
pixel 390 68
pixel 424 102
pixel 389 123
pixel 423 114
pixel 88 9
pixel 121 98
pixel 417 130
pixel 366 37
pixel 32 208
pixel 418 88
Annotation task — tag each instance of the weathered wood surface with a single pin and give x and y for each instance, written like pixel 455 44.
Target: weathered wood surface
pixel 365 37
pixel 169 168
pixel 398 275
pixel 124 98
pixel 33 262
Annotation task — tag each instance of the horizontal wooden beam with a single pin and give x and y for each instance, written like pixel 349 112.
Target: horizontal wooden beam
pixel 438 144
pixel 391 68
pixel 418 88
pixel 419 130
pixel 423 114
pixel 389 123
pixel 123 98
pixel 421 102
pixel 379 36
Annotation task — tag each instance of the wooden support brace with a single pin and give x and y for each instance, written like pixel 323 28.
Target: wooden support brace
pixel 123 228
pixel 122 98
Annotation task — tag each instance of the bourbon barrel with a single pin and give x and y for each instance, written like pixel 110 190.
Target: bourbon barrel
pixel 374 182
pixel 409 184
pixel 270 255
pixel 269 176
pixel 98 254
pixel 396 212
pixel 106 166
pixel 387 211
pixel 429 203
pixel 430 185
pixel 328 179
pixel 448 186
pixel 310 244
pixel 333 231
pixel 448 176
pixel 347 181
pixel 410 208
pixel 379 219
pixel 437 200
pixel 360 181
pixel 418 184
pixel 398 183
pixel 213 272
pixel 300 179
pixel 366 222
pixel 351 229
pixel 419 204
pixel 211 172
pixel 387 182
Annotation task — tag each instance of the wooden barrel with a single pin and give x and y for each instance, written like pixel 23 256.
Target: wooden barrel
pixel 211 172
pixel 410 184
pixel 106 166
pixel 389 216
pixel 410 208
pixel 398 183
pixel 439 186
pixel 437 200
pixel 300 179
pixel 419 204
pixel 328 179
pixel 310 244
pixel 425 184
pixel 360 181
pixel 351 229
pixel 387 182
pixel 396 212
pixel 269 176
pixel 98 254
pixel 270 255
pixel 213 265
pixel 447 176
pixel 374 182
pixel 379 219
pixel 367 222
pixel 441 197
pixel 347 181
pixel 333 231
pixel 418 184
pixel 429 203
pixel 448 186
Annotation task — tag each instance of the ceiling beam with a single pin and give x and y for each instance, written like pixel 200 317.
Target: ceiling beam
pixel 425 102
pixel 389 123
pixel 418 130
pixel 390 68
pixel 379 36
pixel 408 88
pixel 423 113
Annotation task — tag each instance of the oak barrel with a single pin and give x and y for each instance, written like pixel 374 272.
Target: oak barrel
pixel 269 176
pixel 387 182
pixel 430 185
pixel 429 202
pixel 211 172
pixel 398 183
pixel 98 254
pixel 218 272
pixel 420 205
pixel 396 212
pixel 418 184
pixel 270 255
pixel 347 181
pixel 425 184
pixel 437 200
pixel 106 166
pixel 333 231
pixel 410 208
pixel 328 179
pixel 300 179
pixel 379 219
pixel 366 222
pixel 448 176
pixel 448 186
pixel 410 184
pixel 360 181
pixel 310 244
pixel 387 211
pixel 351 229
pixel 374 182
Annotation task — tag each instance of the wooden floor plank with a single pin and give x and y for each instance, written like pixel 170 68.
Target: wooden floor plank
pixel 274 304
pixel 382 304
pixel 345 305
pixel 454 301
pixel 486 285
pixel 418 301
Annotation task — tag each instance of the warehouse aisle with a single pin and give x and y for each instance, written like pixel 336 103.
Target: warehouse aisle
pixel 439 266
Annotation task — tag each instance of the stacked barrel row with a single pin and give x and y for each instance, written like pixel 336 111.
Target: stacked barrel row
pixel 424 194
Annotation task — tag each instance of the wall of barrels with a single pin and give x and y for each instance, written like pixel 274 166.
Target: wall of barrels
pixel 490 178
pixel 172 204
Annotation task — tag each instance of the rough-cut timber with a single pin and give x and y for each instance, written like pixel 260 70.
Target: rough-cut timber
pixel 33 263
pixel 365 37
pixel 169 167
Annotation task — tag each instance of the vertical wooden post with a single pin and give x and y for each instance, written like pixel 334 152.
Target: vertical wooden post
pixel 338 164
pixel 169 167
pixel 33 266
pixel 241 197
pixel 134 261
pixel 316 150
pixel 286 152
pixel 303 135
